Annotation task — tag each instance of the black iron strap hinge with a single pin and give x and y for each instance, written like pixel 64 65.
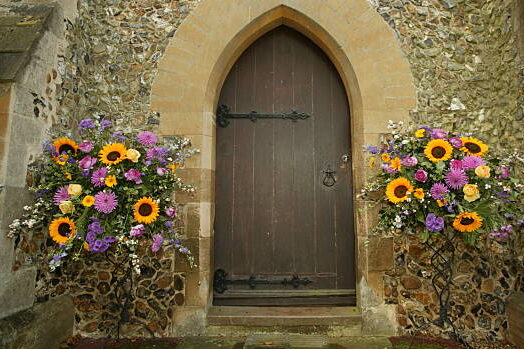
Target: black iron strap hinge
pixel 223 116
pixel 221 281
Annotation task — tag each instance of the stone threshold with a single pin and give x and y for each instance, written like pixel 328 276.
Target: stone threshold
pixel 283 316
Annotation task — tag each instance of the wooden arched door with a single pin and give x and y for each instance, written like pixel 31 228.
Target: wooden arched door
pixel 281 211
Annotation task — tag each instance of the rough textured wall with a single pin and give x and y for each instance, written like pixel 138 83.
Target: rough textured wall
pixel 464 58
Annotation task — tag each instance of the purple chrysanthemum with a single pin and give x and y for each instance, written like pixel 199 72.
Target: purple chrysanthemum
pixel 438 190
pixel 133 176
pixel 157 242
pixel 472 161
pixel 105 202
pixel 99 177
pixel 90 237
pixel 109 239
pixel 61 195
pixel 147 138
pixel 434 223
pixel 456 164
pixel 456 179
pixel 104 124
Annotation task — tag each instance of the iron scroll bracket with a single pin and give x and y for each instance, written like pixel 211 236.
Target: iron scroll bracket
pixel 220 281
pixel 223 116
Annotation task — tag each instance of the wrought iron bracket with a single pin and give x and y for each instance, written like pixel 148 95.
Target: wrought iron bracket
pixel 220 281
pixel 223 116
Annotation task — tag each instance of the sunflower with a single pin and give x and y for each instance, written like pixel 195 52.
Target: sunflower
pixel 62 229
pixel 467 221
pixel 113 153
pixel 146 210
pixel 66 145
pixel 438 150
pixel 473 146
pixel 398 190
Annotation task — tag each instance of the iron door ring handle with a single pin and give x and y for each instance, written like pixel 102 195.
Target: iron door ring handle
pixel 329 178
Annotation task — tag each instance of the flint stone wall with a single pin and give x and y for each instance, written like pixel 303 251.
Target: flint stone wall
pixel 464 59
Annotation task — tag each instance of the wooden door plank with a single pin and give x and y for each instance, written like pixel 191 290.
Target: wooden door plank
pixel 345 244
pixel 325 249
pixel 304 157
pixel 263 159
pixel 243 169
pixel 283 207
pixel 223 224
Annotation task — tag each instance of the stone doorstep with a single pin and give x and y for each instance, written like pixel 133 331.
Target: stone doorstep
pixel 283 316
pixel 285 341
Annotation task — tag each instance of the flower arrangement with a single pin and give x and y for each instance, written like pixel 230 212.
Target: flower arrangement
pixel 110 192
pixel 433 180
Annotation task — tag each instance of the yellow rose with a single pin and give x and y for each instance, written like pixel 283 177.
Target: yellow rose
pixel 74 189
pixel 133 155
pixel 470 189
pixel 471 198
pixel 66 207
pixel 88 201
pixel 483 171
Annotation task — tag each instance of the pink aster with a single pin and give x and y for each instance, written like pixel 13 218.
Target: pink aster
pixel 456 164
pixel 147 138
pixel 472 161
pixel 99 177
pixel 456 179
pixel 105 202
pixel 438 190
pixel 61 195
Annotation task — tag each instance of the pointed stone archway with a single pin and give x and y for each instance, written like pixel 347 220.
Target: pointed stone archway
pixel 379 84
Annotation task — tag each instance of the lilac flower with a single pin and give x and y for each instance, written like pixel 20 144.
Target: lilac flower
pixel 456 164
pixel 48 146
pixel 472 161
pixel 410 161
pixel 456 179
pixel 61 195
pixel 98 246
pixel 507 229
pixel 85 147
pixel 509 216
pixel 157 242
pixel 388 169
pixel 184 250
pixel 438 190
pixel 87 163
pixel 437 133
pixel 498 235
pixel 109 239
pixel 503 194
pixel 504 172
pixel 118 135
pixel 71 161
pixel 171 212
pixel 147 162
pixel 104 124
pixel 157 153
pixel 434 223
pixel 161 171
pixel 96 228
pixel 168 224
pixel 147 138
pixel 90 237
pixel 99 177
pixel 373 149
pixel 133 176
pixel 137 231
pixel 85 124
pixel 105 202
pixel 421 176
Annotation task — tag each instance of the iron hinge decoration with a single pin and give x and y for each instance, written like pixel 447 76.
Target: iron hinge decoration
pixel 223 116
pixel 220 281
